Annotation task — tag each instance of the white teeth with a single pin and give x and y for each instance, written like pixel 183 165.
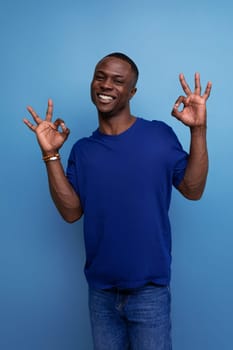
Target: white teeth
pixel 105 97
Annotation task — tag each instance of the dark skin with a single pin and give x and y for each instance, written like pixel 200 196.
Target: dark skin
pixel 50 140
pixel 112 88
pixel 194 116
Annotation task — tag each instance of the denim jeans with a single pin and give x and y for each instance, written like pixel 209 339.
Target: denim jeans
pixel 135 319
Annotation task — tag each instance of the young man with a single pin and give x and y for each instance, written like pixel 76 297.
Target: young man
pixel 121 179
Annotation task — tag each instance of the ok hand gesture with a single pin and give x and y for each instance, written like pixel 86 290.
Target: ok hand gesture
pixel 194 104
pixel 49 137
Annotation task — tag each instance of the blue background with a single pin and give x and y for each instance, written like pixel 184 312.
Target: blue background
pixel 49 49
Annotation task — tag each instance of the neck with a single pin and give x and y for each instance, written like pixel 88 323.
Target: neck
pixel 115 125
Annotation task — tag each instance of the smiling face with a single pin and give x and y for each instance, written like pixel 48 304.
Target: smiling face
pixel 112 87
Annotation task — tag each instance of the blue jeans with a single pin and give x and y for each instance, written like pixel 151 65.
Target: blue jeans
pixel 135 319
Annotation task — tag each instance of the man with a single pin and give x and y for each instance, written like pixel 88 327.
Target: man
pixel 121 179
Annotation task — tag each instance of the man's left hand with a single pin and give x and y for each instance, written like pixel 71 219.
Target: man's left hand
pixel 194 104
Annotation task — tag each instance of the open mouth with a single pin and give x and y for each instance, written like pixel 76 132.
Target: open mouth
pixel 105 98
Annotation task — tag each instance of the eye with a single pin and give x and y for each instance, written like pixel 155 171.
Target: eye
pixel 99 77
pixel 118 81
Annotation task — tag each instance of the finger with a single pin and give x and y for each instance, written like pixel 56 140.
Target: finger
pixel 58 123
pixel 64 128
pixel 197 90
pixel 49 112
pixel 65 131
pixel 175 111
pixel 34 115
pixel 29 124
pixel 207 90
pixel 184 84
pixel 179 101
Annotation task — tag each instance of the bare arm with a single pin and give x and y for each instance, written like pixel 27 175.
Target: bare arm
pixel 63 194
pixel 194 116
pixel 50 140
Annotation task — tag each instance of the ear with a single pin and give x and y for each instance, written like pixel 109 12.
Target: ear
pixel 133 92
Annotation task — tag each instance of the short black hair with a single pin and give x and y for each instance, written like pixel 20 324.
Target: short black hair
pixel 126 58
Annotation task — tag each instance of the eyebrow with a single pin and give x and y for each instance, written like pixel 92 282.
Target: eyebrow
pixel 117 75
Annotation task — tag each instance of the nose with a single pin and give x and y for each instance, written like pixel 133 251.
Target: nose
pixel 106 84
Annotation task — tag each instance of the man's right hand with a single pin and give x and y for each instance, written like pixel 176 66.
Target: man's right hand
pixel 49 137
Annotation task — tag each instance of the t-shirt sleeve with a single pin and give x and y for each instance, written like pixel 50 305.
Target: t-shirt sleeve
pixel 179 170
pixel 180 161
pixel 72 171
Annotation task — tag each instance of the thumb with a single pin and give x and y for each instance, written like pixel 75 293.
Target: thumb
pixel 175 111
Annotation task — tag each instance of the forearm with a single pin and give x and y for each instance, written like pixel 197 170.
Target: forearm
pixel 193 183
pixel 63 194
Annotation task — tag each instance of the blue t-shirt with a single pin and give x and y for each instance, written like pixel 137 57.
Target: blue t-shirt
pixel 124 183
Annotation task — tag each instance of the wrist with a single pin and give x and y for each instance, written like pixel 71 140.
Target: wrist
pixel 50 152
pixel 51 157
pixel 198 130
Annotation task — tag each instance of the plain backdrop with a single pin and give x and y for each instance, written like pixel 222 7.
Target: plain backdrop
pixel 48 49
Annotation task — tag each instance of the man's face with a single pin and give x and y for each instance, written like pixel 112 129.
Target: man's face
pixel 112 86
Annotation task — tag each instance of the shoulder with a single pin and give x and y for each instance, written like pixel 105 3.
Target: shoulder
pixel 81 142
pixel 84 141
pixel 154 123
pixel 155 126
pixel 160 131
